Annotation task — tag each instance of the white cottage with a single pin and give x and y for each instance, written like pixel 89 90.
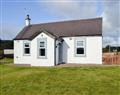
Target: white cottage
pixel 50 44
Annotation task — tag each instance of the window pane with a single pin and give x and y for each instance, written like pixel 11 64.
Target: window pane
pixel 42 52
pixel 27 50
pixel 26 44
pixel 79 43
pixel 42 44
pixel 80 50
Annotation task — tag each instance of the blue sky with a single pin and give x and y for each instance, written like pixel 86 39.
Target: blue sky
pixel 13 13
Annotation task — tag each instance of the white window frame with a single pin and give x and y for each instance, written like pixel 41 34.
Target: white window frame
pixel 26 42
pixel 80 46
pixel 45 47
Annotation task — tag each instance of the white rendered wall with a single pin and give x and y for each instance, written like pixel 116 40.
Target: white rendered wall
pixel 33 59
pixel 49 61
pixel 93 50
pixel 19 57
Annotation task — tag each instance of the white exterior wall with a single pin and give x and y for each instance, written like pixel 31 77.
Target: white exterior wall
pixel 19 57
pixel 49 61
pixel 93 50
pixel 33 58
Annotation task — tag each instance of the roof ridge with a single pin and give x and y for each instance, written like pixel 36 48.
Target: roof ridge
pixel 63 21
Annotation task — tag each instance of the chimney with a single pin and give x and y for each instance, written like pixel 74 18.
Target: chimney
pixel 27 20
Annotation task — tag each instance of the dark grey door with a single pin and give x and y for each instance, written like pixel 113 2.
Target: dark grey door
pixel 60 53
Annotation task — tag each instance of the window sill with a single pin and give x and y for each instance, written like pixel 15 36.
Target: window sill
pixel 26 55
pixel 80 55
pixel 42 57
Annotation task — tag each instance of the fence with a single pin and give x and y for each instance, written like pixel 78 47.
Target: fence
pixel 6 53
pixel 111 58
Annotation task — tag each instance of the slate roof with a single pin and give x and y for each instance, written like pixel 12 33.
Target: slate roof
pixel 85 27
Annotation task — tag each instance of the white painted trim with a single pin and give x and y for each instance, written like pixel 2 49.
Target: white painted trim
pixel 38 44
pixel 26 41
pixel 75 47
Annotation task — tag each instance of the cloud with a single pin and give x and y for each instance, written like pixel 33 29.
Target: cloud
pixel 109 10
pixel 71 9
pixel 79 9
pixel 111 41
pixel 111 23
pixel 9 31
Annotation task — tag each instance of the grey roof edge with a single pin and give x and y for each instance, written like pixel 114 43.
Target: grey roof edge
pixel 43 31
pixel 61 37
pixel 36 34
pixel 24 29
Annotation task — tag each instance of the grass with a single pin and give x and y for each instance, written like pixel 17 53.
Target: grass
pixel 59 80
pixel 6 60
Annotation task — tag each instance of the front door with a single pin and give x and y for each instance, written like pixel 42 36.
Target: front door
pixel 60 52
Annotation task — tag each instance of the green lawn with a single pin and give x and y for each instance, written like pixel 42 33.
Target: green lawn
pixel 6 60
pixel 59 80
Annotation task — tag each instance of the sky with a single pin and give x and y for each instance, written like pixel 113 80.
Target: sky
pixel 13 13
